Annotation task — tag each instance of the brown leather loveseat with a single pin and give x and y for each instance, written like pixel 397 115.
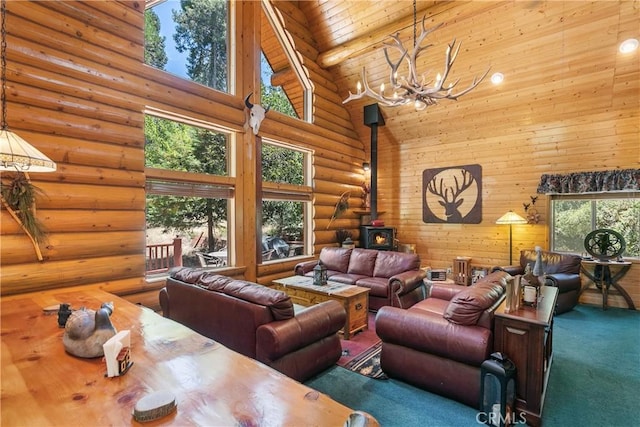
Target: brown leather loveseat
pixel 560 270
pixel 255 320
pixel 439 343
pixel 393 278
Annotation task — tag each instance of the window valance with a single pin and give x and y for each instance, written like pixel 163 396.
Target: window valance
pixel 590 182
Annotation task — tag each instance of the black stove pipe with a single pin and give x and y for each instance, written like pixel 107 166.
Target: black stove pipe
pixel 373 118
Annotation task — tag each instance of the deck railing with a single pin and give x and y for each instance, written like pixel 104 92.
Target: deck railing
pixel 162 257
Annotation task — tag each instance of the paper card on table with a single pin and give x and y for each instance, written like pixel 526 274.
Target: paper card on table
pixel 112 348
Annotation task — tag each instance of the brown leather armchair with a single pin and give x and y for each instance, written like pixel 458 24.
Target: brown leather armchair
pixel 560 270
pixel 439 343
pixel 255 320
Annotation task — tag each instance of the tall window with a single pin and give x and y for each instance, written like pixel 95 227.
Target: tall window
pixel 190 38
pixel 273 96
pixel 188 191
pixel 573 217
pixel 285 82
pixel 286 202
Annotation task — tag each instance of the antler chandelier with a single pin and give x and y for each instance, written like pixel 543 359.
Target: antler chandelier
pixel 413 88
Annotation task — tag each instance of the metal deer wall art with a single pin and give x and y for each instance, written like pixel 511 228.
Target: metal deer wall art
pixel 452 195
pixel 256 114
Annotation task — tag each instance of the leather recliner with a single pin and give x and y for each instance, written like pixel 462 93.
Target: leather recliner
pixel 255 320
pixel 439 343
pixel 560 270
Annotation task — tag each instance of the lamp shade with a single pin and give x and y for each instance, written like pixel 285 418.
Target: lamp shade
pixel 18 154
pixel 511 218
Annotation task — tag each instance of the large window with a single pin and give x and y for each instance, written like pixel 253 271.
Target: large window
pixel 573 217
pixel 190 38
pixel 286 202
pixel 188 192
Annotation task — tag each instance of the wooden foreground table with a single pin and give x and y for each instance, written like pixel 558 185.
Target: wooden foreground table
pixel 214 386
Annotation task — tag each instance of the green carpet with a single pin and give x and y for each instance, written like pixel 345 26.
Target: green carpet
pixel 595 379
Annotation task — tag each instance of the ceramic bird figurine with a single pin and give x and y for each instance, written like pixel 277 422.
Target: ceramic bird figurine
pixel 87 330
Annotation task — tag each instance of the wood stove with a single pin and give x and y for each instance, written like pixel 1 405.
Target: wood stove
pixel 381 238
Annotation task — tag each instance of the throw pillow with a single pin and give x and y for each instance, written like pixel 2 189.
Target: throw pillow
pixel 362 262
pixel 336 259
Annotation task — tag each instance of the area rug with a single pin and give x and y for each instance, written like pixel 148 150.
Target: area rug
pixel 368 363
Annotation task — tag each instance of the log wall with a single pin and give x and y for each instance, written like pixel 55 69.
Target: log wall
pixel 77 90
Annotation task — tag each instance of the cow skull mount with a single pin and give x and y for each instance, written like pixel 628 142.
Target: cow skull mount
pixel 256 114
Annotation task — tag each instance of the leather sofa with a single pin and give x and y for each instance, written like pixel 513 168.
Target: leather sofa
pixel 439 343
pixel 393 278
pixel 560 270
pixel 255 320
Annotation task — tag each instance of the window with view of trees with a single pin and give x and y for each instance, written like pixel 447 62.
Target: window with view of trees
pixel 286 201
pixel 189 38
pixel 189 194
pixel 285 84
pixel 187 204
pixel 573 217
pixel 273 96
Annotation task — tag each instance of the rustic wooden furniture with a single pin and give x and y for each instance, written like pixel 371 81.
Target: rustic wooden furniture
pixel 526 337
pixel 355 299
pixel 603 278
pixel 43 385
pixel 462 271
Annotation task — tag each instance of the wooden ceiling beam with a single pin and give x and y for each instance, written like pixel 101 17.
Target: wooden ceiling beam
pixel 369 40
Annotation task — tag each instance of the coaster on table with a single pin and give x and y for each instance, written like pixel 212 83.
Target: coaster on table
pixel 153 406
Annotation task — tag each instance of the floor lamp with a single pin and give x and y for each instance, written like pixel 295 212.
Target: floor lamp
pixel 511 218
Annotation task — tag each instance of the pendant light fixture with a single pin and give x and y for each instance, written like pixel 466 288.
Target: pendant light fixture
pixel 411 88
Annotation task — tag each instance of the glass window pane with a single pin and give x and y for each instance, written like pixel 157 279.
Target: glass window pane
pixel 282 229
pixel 190 39
pixel 200 224
pixel 281 164
pixel 177 146
pixel 623 216
pixel 572 222
pixel 574 218
pixel 274 96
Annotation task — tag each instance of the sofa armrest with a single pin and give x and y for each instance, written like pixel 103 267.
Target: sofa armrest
pixel 444 291
pixel 564 281
pixel 407 281
pixel 428 332
pixel 164 302
pixel 304 267
pixel 511 269
pixel 276 339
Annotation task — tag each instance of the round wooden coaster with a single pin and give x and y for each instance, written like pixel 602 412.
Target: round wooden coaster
pixel 153 406
pixel 52 308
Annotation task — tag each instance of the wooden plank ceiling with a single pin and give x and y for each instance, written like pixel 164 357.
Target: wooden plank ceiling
pixel 533 43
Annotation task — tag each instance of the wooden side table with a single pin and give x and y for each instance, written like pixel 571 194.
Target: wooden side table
pixel 603 278
pixel 526 337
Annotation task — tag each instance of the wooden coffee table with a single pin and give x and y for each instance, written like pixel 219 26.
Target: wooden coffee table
pixel 354 299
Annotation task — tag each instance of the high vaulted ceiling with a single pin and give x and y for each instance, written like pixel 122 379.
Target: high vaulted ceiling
pixel 552 54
